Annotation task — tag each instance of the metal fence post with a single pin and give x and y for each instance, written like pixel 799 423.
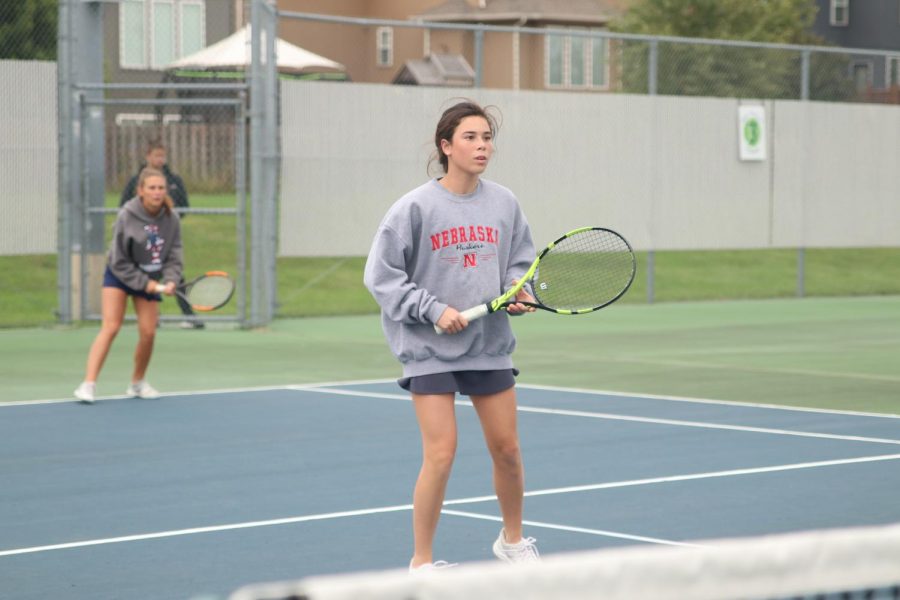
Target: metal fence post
pixel 804 74
pixel 256 220
pixel 652 62
pixel 479 57
pixel 804 95
pixel 263 155
pixel 65 175
pixel 272 157
pixel 81 144
pixel 240 176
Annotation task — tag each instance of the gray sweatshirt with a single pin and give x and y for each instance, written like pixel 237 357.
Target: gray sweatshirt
pixel 145 247
pixel 436 249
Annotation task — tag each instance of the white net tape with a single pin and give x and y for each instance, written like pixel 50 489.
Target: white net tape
pixel 777 566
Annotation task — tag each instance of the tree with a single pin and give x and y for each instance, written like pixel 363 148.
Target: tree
pixel 28 29
pixel 699 69
pixel 780 21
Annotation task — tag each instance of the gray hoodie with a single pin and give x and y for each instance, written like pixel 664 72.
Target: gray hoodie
pixel 436 249
pixel 145 247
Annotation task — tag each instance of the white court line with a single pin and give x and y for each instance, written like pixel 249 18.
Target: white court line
pixel 714 474
pixel 471 500
pixel 273 388
pixel 764 370
pixel 653 420
pixel 210 529
pixel 706 425
pixel 827 411
pixel 599 532
pixel 313 386
pixel 238 390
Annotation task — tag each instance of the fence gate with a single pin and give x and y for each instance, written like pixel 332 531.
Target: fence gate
pixel 203 131
pixel 218 137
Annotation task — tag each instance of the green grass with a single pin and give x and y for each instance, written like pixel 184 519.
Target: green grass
pixel 325 286
pixel 322 286
pixel 27 290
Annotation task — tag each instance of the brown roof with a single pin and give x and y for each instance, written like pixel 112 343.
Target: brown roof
pixel 519 11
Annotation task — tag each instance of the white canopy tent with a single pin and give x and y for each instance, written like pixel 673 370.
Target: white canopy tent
pixel 234 54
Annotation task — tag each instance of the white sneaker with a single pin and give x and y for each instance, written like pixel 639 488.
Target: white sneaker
pixel 523 551
pixel 142 389
pixel 432 566
pixel 86 391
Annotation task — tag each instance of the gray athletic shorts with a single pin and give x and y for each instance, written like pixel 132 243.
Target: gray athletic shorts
pixel 469 383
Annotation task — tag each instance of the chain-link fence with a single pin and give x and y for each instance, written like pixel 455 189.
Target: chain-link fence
pixel 28 30
pixel 738 70
pixel 133 94
pixel 28 127
pixel 120 93
pixel 200 142
pixel 581 59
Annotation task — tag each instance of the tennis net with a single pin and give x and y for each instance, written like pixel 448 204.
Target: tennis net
pixel 845 564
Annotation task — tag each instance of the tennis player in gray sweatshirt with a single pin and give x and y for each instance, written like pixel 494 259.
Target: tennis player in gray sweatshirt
pixel 144 261
pixel 450 244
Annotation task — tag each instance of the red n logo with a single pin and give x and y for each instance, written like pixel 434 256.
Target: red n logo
pixel 469 260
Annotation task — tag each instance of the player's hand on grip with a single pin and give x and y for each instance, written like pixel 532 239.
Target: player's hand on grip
pixel 521 296
pixel 155 287
pixel 452 321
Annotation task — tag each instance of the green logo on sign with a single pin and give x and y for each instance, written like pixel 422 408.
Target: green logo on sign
pixel 751 132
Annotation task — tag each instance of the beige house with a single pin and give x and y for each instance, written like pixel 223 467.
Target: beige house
pixel 386 54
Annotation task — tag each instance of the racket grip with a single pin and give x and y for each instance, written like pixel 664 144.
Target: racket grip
pixel 476 312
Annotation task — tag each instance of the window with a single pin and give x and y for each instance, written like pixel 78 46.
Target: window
pixel 576 62
pixel 556 58
pixel 163 39
pixel 384 46
pixel 153 33
pixel 192 28
pixel 840 13
pixel 892 71
pixel 132 54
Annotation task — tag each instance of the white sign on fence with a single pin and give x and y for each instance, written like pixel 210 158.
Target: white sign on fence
pixel 752 132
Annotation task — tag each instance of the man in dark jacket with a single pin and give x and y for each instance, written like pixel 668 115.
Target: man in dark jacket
pixel 156 159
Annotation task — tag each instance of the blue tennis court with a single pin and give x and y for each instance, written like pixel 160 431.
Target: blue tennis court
pixel 195 495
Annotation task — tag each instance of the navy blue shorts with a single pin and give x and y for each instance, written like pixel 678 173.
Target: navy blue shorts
pixel 110 280
pixel 470 383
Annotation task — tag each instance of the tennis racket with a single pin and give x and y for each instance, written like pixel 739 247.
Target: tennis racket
pixel 209 292
pixel 582 271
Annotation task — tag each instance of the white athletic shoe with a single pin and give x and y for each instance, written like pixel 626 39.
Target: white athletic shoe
pixel 142 389
pixel 86 391
pixel 432 566
pixel 523 551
